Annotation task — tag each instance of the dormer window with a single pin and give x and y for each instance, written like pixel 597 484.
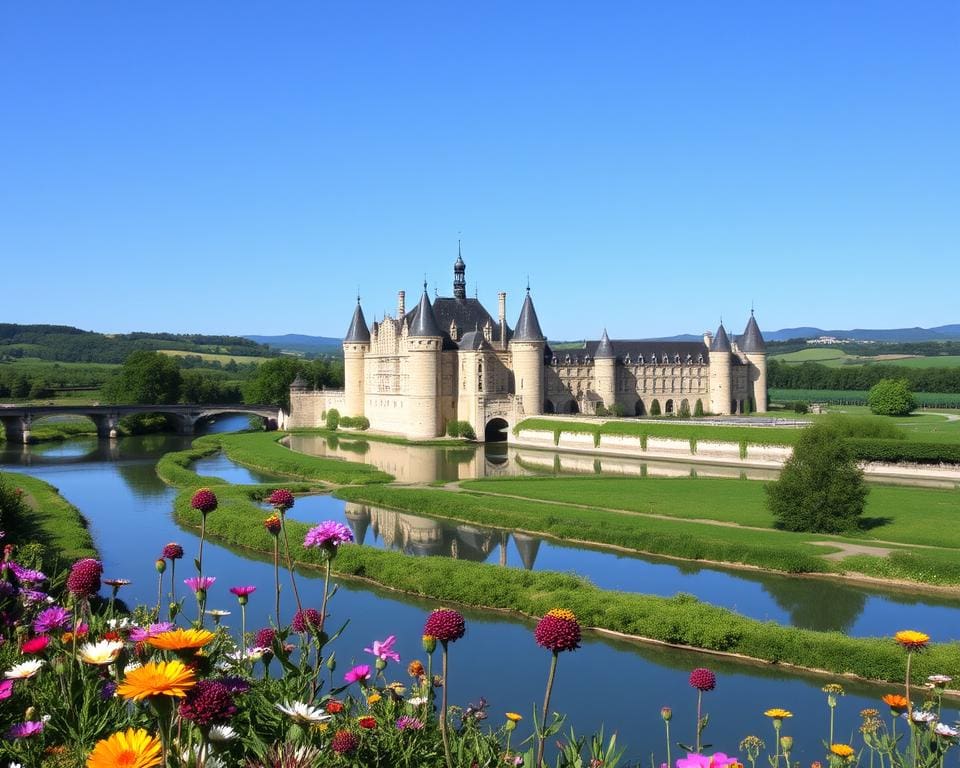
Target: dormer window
pixel 626 359
pixel 676 358
pixel 453 330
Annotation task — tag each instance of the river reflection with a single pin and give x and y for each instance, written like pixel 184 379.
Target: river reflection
pixel 605 682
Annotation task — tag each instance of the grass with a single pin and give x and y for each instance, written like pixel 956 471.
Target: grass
pixel 214 357
pixel 937 400
pixel 50 430
pixel 836 358
pixel 920 426
pixel 359 435
pixel 681 620
pixel 52 521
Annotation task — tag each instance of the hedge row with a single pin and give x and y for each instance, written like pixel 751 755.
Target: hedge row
pixel 868 449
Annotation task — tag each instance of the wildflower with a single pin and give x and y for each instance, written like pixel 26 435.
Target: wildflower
pixel 51 618
pixel 367 721
pixel 703 679
pixel 200 583
pixel 417 701
pixel 243 593
pixel 778 714
pixel 235 684
pixel 384 650
pixel 940 681
pixel 752 745
pixel 415 669
pixel 397 689
pixel 273 524
pixel 84 578
pixel 160 565
pixel 842 750
pixel 921 716
pixel 558 631
pixel 786 742
pixel 208 702
pixel 165 678
pixel 334 707
pixel 870 725
pixel 408 723
pixel 25 730
pixel 303 713
pixel 717 760
pixel 204 501
pixel 307 619
pixel 942 729
pixel 104 652
pixel 329 535
pixel 181 639
pixel 24 670
pixel 281 499
pixel 666 713
pixel 359 674
pixel 344 742
pixel 429 643
pixel 912 640
pixel 6 689
pixel 896 702
pixel 27 575
pixel 35 644
pixel 141 634
pixel 373 698
pixel 869 712
pixel 130 749
pixel 217 614
pixel 117 583
pixel 221 734
pixel 172 551
pixel 445 625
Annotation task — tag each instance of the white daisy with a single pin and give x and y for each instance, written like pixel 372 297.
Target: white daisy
pixel 24 669
pixel 417 701
pixel 303 713
pixel 104 652
pixel 119 623
pixel 942 729
pixel 131 666
pixel 220 733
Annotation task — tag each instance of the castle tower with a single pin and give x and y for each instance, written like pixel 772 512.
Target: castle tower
pixel 424 342
pixel 604 371
pixel 527 347
pixel 720 389
pixel 755 349
pixel 356 344
pixel 459 276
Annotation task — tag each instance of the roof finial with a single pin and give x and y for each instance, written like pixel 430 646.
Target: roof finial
pixel 751 307
pixel 476 291
pixel 435 291
pixel 358 294
pixel 528 283
pixel 424 282
pixel 459 249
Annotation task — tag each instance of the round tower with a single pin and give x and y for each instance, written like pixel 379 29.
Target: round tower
pixel 604 371
pixel 720 386
pixel 526 348
pixel 356 345
pixel 755 349
pixel 424 342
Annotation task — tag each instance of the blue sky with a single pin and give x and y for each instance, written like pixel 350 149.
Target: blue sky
pixel 229 167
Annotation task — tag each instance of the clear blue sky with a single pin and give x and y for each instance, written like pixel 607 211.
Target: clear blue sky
pixel 242 167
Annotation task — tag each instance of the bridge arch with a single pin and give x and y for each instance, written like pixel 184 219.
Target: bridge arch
pixel 495 430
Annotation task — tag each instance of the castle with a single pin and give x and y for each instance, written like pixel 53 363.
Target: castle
pixel 448 360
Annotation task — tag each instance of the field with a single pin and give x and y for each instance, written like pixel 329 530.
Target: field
pixel 939 400
pixel 211 357
pixel 834 357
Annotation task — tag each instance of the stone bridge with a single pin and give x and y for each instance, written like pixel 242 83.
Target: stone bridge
pixel 18 420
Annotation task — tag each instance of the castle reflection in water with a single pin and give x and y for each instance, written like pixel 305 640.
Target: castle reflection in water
pixel 415 535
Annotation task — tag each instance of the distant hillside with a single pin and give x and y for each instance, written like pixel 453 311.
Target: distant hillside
pixel 940 333
pixel 66 344
pixel 298 343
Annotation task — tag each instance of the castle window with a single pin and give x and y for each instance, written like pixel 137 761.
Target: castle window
pixel 640 359
pixel 699 359
pixel 626 359
pixel 676 358
pixel 480 377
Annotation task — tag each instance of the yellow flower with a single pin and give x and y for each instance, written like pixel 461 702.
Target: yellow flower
pixel 562 613
pixel 163 678
pixel 514 717
pixel 778 714
pixel 181 639
pixel 911 639
pixel 842 750
pixel 126 749
pixel 373 698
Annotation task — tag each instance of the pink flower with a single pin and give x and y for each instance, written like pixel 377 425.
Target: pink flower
pixel 703 680
pixel 281 499
pixel 329 534
pixel 172 551
pixel 384 650
pixel 359 674
pixel 242 591
pixel 204 501
pixel 35 644
pixel 84 578
pixel 6 689
pixel 717 760
pixel 139 634
pixel 445 624
pixel 196 583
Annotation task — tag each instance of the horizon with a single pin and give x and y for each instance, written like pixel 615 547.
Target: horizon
pixel 650 169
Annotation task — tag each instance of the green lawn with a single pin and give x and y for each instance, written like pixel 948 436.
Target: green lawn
pixel 922 426
pixel 833 357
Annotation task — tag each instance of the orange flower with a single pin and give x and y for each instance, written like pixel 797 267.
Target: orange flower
pixel 333 706
pixel 911 639
pixel 896 702
pixel 842 750
pixel 165 678
pixel 126 749
pixel 367 722
pixel 181 639
pixel 415 669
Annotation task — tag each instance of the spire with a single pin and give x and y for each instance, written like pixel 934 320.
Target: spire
pixel 459 275
pixel 299 383
pixel 752 340
pixel 424 321
pixel 720 342
pixel 604 348
pixel 358 331
pixel 528 326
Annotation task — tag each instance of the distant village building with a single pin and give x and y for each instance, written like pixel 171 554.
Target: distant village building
pixel 450 359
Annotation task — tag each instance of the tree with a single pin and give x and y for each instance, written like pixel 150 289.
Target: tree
pixel 821 489
pixel 698 408
pixel 655 408
pixel 146 378
pixel 891 397
pixel 271 383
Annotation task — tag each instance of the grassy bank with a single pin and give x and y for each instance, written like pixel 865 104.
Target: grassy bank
pixel 49 520
pixel 351 434
pixel 681 620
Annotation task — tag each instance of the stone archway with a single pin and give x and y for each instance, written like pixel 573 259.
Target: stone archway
pixel 496 430
pixel 548 406
pixel 668 407
pixel 639 409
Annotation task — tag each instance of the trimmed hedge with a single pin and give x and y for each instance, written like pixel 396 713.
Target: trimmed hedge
pixel 870 449
pixel 355 422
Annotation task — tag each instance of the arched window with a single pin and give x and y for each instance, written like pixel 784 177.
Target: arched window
pixel 480 377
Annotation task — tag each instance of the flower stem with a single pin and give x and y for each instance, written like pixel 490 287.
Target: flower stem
pixel 326 593
pixel 443 709
pixel 667 724
pixel 276 574
pixel 699 729
pixel 286 550
pixel 159 593
pixel 541 739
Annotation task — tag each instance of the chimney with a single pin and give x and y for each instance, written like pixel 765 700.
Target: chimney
pixel 401 306
pixel 707 339
pixel 502 317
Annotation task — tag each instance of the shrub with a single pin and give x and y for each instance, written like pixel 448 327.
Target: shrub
pixel 698 408
pixel 655 408
pixel 333 418
pixel 602 410
pixel 617 410
pixel 355 422
pixel 870 449
pixel 820 489
pixel 460 428
pixel 862 426
pixel 891 397
pixel 799 406
pixel 684 412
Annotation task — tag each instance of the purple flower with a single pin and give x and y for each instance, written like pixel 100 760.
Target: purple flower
pixel 306 619
pixel 108 690
pixel 27 574
pixel 33 596
pixel 172 551
pixel 329 534
pixel 25 730
pixel 281 499
pixel 384 650
pixel 50 619
pixel 139 634
pixel 235 684
pixel 6 689
pixel 408 723
pixel 359 674
pixel 84 578
pixel 196 583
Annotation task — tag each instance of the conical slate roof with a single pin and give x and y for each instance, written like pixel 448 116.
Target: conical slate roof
pixel 720 342
pixel 424 322
pixel 528 326
pixel 604 349
pixel 752 339
pixel 299 383
pixel 358 331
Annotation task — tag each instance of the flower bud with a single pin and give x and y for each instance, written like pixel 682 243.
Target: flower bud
pixel 160 565
pixel 429 643
pixel 666 713
pixel 380 664
pixel 332 662
pixel 786 742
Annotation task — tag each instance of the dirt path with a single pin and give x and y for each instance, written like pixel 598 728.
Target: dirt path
pixel 847 549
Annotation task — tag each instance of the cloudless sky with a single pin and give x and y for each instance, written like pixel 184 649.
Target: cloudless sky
pixel 245 167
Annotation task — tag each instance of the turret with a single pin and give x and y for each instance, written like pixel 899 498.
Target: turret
pixel 604 371
pixel 424 342
pixel 527 347
pixel 356 344
pixel 720 386
pixel 755 349
pixel 459 276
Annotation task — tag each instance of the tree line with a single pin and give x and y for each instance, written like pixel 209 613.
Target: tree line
pixel 859 377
